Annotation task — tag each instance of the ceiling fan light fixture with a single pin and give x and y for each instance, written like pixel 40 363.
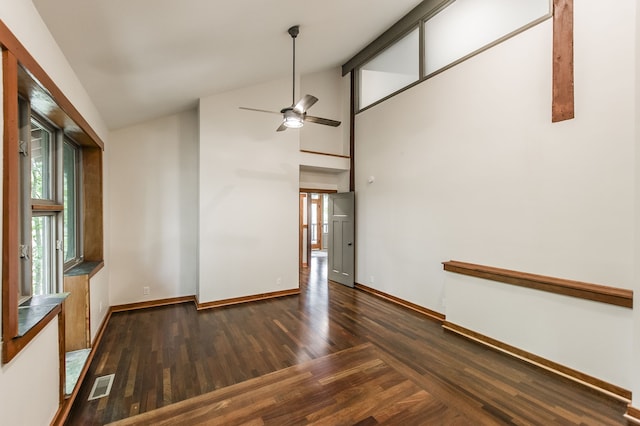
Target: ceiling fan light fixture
pixel 292 120
pixel 294 116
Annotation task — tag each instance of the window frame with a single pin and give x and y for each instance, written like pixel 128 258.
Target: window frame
pixel 416 17
pixel 417 27
pixel 78 199
pixel 23 76
pixel 38 207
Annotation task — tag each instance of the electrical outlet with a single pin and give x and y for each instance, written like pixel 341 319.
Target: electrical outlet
pixel 371 279
pixel 146 290
pixel 101 306
pixel 279 281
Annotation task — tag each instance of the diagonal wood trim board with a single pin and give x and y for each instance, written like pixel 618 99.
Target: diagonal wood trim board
pixel 153 303
pixel 553 367
pixel 324 153
pixel 598 293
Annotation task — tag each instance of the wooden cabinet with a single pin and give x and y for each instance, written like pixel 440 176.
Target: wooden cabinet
pixel 77 329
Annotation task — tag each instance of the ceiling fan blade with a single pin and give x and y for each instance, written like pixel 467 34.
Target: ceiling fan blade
pixel 319 120
pixel 305 103
pixel 281 128
pixel 259 110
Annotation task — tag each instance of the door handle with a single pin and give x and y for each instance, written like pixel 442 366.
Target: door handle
pixel 349 244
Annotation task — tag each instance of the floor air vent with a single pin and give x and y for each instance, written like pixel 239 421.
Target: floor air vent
pixel 101 387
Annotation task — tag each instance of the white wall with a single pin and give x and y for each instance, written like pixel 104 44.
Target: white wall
pixel 153 209
pixel 635 371
pixel 468 166
pixel 33 374
pixel 29 383
pixel 319 179
pixel 248 194
pixel 328 87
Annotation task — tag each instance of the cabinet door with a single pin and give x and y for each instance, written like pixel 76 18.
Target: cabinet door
pixel 76 311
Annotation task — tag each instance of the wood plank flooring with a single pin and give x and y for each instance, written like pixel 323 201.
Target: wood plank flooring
pixel 332 355
pixel 355 384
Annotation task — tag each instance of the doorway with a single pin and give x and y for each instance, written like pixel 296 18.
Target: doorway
pixel 314 228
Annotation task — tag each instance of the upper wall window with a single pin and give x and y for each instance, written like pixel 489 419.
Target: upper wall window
pixel 394 68
pixel 435 36
pixel 466 26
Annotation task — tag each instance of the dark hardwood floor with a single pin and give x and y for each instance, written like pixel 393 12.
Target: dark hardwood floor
pixel 332 355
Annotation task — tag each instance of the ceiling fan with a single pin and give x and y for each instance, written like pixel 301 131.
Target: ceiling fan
pixel 294 116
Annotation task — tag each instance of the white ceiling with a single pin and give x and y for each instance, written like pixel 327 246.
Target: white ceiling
pixel 141 59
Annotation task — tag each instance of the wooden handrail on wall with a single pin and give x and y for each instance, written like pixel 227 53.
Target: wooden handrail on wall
pixel 599 293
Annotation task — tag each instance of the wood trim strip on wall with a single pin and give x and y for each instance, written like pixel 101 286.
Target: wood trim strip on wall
pixel 436 316
pixel 324 153
pixel 62 355
pixel 633 414
pixel 246 299
pixel 318 191
pixel 575 375
pixel 595 292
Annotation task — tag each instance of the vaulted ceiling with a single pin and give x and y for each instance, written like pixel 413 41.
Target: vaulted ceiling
pixel 141 59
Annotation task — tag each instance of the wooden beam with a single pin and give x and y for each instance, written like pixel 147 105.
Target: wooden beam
pixel 352 133
pixel 563 91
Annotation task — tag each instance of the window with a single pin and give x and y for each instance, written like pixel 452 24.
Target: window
pixel 51 198
pixel 434 36
pixel 394 68
pixel 71 232
pixel 50 193
pixel 41 206
pixel 43 280
pixel 466 26
pixel 41 161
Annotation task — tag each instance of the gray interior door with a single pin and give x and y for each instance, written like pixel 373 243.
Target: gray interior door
pixel 341 238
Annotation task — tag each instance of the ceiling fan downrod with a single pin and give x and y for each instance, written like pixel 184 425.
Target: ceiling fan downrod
pixel 293 32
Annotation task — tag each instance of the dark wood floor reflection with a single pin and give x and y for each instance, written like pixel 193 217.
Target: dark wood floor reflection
pixel 364 347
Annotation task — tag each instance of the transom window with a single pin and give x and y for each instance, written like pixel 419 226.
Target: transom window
pixel 435 36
